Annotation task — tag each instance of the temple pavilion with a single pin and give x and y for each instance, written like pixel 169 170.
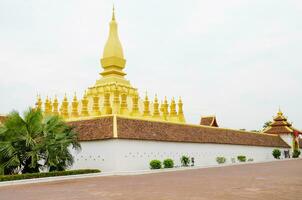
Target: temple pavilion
pixel 112 93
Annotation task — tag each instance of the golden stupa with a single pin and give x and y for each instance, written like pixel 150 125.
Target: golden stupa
pixel 112 94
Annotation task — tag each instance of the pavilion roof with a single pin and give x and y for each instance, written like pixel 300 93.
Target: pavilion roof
pixel 209 121
pixel 280 125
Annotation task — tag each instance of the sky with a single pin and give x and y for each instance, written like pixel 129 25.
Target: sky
pixel 238 59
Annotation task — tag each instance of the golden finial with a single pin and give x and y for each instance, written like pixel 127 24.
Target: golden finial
pixel 113 14
pixel 75 96
pixel 155 99
pixel 146 97
pixel 280 112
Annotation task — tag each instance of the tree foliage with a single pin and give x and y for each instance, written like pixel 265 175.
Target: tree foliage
pixel 266 124
pixel 32 142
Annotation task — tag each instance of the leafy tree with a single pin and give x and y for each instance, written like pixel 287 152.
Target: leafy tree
pixel 185 160
pixel 267 124
pixel 34 142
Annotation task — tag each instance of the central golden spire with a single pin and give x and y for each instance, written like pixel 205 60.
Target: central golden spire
pixel 113 60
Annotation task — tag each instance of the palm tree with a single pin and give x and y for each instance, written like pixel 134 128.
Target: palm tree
pixel 34 142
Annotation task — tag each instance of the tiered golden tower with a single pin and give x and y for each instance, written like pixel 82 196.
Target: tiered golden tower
pixel 112 93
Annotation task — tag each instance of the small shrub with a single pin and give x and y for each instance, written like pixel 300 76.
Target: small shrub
pixel 241 158
pixel 276 153
pixel 155 164
pixel 168 163
pixel 296 154
pixel 185 161
pixel 250 160
pixel 220 160
pixel 47 174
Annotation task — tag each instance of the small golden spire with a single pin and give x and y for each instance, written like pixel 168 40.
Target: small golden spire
pixel 107 110
pixel 181 116
pixel 173 108
pixel 74 105
pixel 39 102
pixel 124 106
pixel 156 113
pixel 64 107
pixel 165 109
pixel 84 109
pixel 95 106
pixel 116 100
pixel 55 106
pixel 50 106
pixel 146 112
pixel 135 109
pixel 46 107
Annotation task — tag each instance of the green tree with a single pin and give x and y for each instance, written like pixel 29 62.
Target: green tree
pixel 266 124
pixel 34 141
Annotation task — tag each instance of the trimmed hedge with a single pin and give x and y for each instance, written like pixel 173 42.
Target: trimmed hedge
pixel 168 163
pixel 241 158
pixel 155 164
pixel 47 174
pixel 220 160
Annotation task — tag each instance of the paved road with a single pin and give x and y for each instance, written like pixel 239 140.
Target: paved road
pixel 273 181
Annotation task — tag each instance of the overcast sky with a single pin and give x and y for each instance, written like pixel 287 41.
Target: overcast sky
pixel 237 59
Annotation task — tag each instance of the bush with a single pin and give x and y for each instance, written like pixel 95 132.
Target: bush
pixel 168 163
pixel 276 153
pixel 250 160
pixel 241 158
pixel 220 160
pixel 47 174
pixel 155 164
pixel 185 161
pixel 296 154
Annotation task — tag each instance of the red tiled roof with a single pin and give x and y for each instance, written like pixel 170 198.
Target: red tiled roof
pixel 209 121
pixel 102 128
pixel 280 125
pixel 2 118
pixel 94 129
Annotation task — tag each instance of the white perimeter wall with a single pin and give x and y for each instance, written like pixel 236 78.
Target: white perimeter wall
pixel 133 155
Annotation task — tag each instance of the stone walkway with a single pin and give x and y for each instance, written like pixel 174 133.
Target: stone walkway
pixel 273 181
